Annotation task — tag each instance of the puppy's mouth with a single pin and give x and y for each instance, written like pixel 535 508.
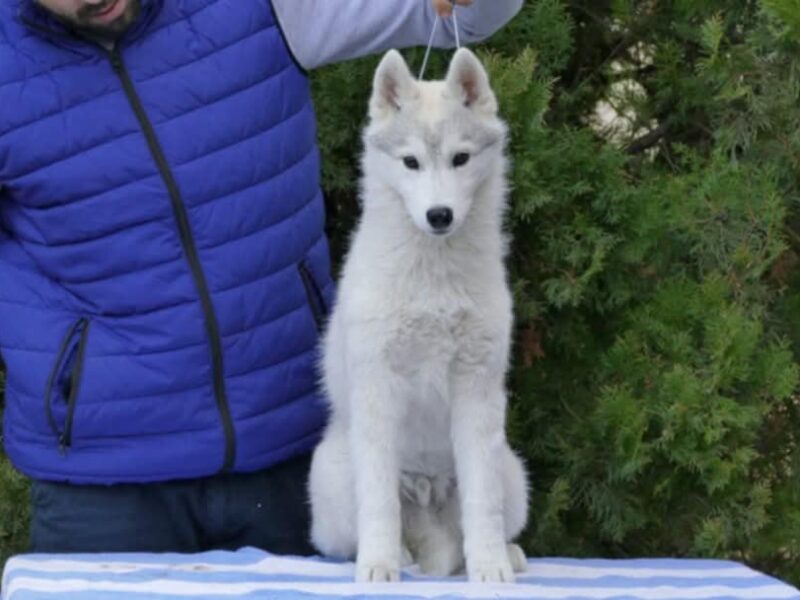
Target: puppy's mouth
pixel 438 232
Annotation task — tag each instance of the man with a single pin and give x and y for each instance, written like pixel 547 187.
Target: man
pixel 163 268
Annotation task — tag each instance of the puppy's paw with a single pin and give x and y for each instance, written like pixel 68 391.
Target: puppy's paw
pixel 377 572
pixel 517 558
pixel 494 571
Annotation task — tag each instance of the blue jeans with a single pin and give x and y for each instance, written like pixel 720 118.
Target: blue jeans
pixel 266 509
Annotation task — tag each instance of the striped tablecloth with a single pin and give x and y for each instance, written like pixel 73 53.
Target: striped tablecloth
pixel 253 574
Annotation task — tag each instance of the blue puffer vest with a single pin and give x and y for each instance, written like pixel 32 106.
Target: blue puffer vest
pixel 163 268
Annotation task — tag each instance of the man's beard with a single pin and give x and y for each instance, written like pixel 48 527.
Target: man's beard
pixel 82 21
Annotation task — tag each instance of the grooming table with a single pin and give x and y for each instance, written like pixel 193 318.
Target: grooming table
pixel 253 574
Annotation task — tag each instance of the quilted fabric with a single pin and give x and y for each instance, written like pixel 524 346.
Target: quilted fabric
pixel 159 319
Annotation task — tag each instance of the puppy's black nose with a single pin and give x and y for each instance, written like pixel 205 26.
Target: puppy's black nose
pixel 440 217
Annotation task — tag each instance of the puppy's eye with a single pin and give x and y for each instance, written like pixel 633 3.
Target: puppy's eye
pixel 411 162
pixel 460 159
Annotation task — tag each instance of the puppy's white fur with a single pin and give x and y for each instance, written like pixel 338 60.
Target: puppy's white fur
pixel 415 465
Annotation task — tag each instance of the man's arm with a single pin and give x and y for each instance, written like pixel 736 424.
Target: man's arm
pixel 326 31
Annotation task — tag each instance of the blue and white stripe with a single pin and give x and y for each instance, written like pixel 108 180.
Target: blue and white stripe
pixel 253 574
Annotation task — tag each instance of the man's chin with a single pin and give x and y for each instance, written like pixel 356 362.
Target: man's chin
pixel 115 27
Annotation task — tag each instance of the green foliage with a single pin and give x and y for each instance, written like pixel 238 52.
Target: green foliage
pixel 14 511
pixel 654 391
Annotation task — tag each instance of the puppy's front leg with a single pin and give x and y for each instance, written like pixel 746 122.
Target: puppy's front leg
pixel 376 417
pixel 478 422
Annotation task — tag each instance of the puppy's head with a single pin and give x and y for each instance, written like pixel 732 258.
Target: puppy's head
pixel 433 143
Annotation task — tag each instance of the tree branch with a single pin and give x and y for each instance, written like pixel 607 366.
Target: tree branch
pixel 648 140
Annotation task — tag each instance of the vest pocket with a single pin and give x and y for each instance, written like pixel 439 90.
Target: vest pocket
pixel 63 383
pixel 314 296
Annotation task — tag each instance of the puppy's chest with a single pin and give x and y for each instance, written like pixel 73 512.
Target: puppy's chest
pixel 430 340
pixel 425 433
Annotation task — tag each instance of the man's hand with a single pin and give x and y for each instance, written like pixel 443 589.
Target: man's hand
pixel 445 7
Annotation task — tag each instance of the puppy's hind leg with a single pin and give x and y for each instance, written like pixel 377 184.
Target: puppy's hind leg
pixel 332 493
pixel 441 552
pixel 432 529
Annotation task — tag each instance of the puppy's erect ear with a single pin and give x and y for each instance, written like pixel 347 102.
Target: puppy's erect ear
pixel 392 87
pixel 467 80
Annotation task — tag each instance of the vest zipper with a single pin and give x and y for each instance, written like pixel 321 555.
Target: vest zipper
pixel 65 440
pixel 313 295
pixel 69 362
pixel 190 250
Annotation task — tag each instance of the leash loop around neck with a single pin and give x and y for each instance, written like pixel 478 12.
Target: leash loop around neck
pixel 433 35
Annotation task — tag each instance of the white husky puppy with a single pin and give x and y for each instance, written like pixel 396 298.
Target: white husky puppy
pixel 415 464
